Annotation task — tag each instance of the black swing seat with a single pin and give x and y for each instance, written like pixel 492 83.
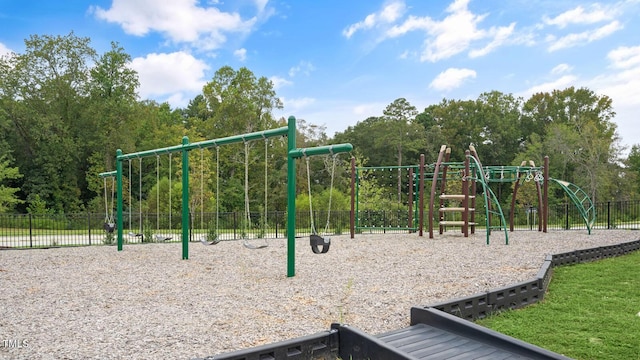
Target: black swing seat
pixel 109 227
pixel 205 241
pixel 316 241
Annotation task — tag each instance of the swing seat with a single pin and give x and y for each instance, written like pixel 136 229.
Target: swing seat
pixel 137 235
pixel 162 238
pixel 205 241
pixel 249 245
pixel 109 227
pixel 316 241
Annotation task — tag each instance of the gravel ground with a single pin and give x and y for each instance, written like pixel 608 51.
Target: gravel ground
pixel 145 302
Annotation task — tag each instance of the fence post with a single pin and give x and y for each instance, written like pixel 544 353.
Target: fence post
pixel 89 226
pixel 608 214
pixel 191 226
pixel 384 221
pixel 566 214
pixel 235 225
pixel 30 232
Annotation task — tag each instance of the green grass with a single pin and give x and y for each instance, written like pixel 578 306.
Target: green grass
pixel 591 311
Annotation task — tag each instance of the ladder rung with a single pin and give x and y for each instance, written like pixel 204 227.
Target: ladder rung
pixel 455 223
pixel 454 197
pixel 447 209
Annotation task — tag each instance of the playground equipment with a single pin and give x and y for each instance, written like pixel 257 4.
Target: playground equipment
pixel 215 239
pixel 404 218
pixel 316 240
pixel 157 236
pixel 293 153
pixel 458 209
pixel 581 200
pixel 470 173
pixel 247 212
pixel 109 221
pixel 476 173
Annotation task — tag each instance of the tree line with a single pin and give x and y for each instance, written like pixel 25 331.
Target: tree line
pixel 65 109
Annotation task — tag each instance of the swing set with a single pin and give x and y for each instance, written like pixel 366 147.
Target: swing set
pixel 320 243
pixel 184 149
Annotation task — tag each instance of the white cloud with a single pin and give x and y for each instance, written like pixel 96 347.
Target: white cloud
pixel 454 34
pixel 624 57
pixel 181 21
pixel 451 79
pixel 387 15
pixel 294 105
pixel 240 54
pixel 578 15
pixel 366 110
pixel 4 50
pixel 279 82
pixel 561 69
pixel 177 100
pixel 303 67
pixel 168 74
pixel 621 84
pixel 588 36
pixel 412 23
pixel 261 4
pixel 500 36
pixel 560 83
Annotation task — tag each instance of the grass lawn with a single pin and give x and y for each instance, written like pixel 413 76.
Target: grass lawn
pixel 591 311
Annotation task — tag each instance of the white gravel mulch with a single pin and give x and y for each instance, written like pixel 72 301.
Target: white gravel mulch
pixel 145 302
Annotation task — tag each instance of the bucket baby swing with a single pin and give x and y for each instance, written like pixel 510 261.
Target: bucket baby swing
pixel 109 220
pixel 320 243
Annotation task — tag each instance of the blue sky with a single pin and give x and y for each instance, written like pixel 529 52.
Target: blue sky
pixel 337 62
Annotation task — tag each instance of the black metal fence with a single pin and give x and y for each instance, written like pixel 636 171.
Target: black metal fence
pixel 51 230
pixel 47 230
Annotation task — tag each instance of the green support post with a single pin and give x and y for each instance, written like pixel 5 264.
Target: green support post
pixel 293 154
pixel 119 199
pixel 185 198
pixel 357 212
pixel 291 198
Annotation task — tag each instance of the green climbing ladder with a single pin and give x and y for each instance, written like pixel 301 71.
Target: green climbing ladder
pixel 492 206
pixel 581 200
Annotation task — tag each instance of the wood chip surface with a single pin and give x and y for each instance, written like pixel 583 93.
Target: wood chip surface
pixel 146 302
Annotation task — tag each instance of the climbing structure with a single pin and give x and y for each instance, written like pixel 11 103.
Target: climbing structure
pixel 454 206
pixel 581 200
pixel 459 209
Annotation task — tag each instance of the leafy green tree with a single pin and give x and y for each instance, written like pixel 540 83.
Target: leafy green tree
pixel 238 102
pixel 632 173
pixel 112 104
pixel 457 121
pixel 38 206
pixel 501 134
pixel 110 115
pixel 8 198
pixel 42 96
pixel 400 115
pixel 576 130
